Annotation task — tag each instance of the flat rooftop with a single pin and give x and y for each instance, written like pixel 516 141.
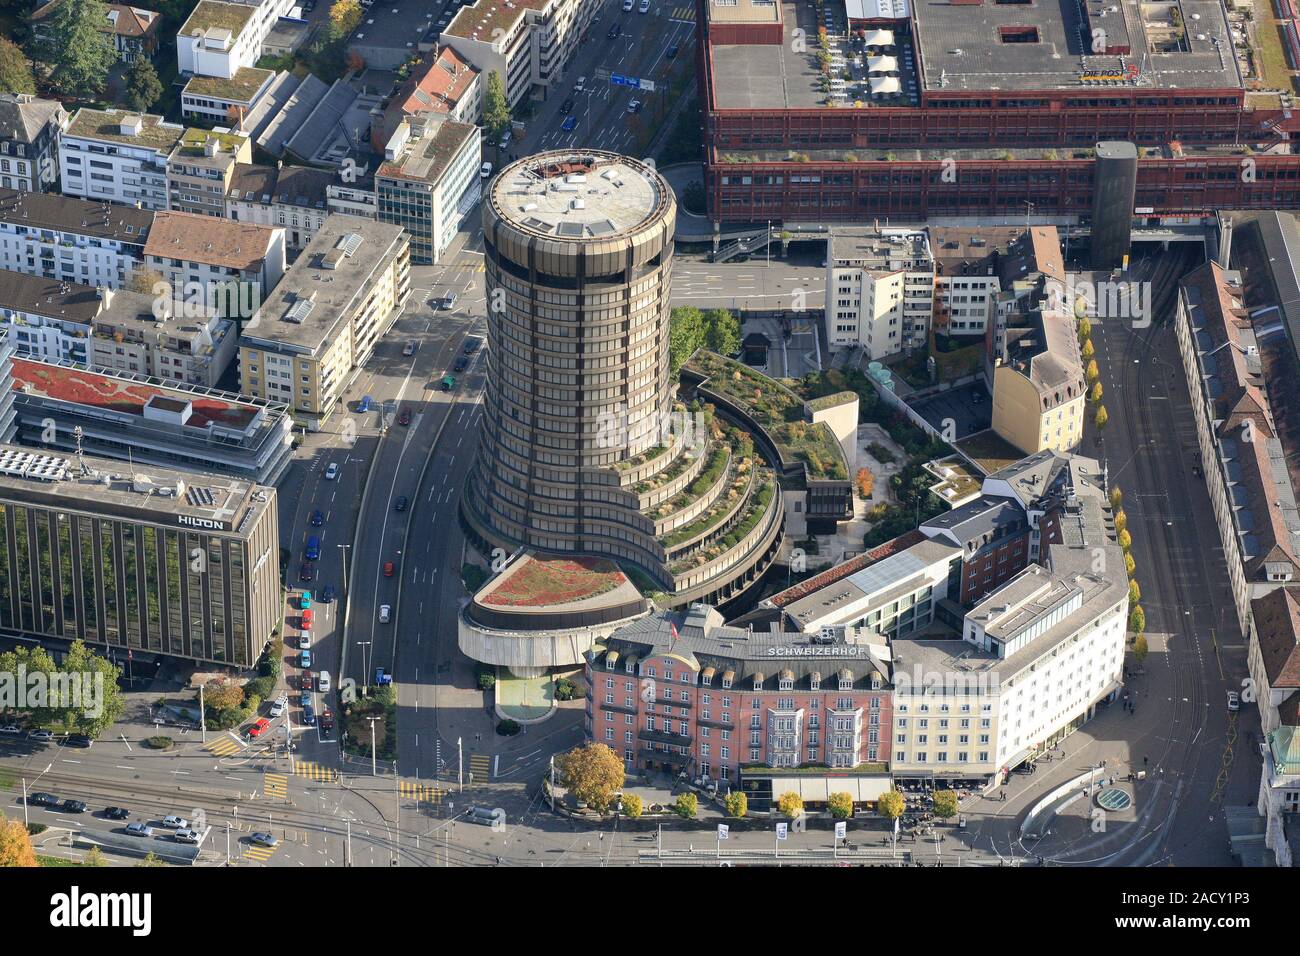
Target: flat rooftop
pixel 154 494
pixel 578 195
pixel 103 220
pixel 771 75
pixel 427 158
pixel 241 87
pixel 1047 45
pixel 214 15
pixel 744 11
pixel 490 20
pixel 320 290
pixel 115 393
pixel 557 584
pixel 106 125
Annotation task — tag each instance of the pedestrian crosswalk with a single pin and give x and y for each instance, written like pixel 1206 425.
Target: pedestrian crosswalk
pixel 225 745
pixel 421 792
pixel 314 771
pixel 275 785
pixel 480 765
pixel 683 14
pixel 259 854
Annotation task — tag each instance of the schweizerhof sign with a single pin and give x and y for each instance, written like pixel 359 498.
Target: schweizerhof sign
pixel 819 650
pixel 210 524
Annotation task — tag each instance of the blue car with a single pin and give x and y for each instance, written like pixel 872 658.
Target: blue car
pixel 313 548
pixel 569 123
pixel 327 595
pixel 317 518
pixel 309 715
pixel 304 701
pixel 306 660
pixel 365 404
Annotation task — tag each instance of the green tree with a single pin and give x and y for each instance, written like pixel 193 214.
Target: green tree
pixel 945 804
pixel 15 844
pixel 1130 566
pixel 35 660
pixel 686 334
pixel 1137 619
pixel 736 803
pixel 790 803
pixel 344 17
pixel 95 857
pixel 891 805
pixel 1095 395
pixel 99 678
pixel 151 859
pixel 222 695
pixel 687 806
pixel 496 110
pixel 840 805
pixel 1140 649
pixel 1134 592
pixel 1085 329
pixel 143 88
pixel 15 70
pixel 632 805
pixel 721 331
pixel 1101 418
pixel 73 49
pixel 592 773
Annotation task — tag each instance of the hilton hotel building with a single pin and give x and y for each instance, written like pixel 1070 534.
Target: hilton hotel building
pixel 167 563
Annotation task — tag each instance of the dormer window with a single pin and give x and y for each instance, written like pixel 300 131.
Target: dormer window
pixel 815 682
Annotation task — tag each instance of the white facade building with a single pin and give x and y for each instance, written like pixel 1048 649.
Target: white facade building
pixel 118 156
pixel 220 39
pixel 879 290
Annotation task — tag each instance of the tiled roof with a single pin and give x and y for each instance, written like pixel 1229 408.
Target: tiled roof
pixel 22 117
pixel 120 19
pixel 1277 628
pixel 104 220
pixel 220 242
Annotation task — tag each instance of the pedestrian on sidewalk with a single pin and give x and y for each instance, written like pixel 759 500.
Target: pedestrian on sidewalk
pixel 1145 761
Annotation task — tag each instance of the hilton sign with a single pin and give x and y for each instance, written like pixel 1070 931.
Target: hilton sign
pixel 191 522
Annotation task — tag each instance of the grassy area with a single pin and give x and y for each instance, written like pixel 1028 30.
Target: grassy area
pixel 57 861
pixel 1269 54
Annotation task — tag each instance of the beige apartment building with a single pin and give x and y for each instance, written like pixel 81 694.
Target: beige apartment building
pixel 200 168
pixel 1039 392
pixel 321 323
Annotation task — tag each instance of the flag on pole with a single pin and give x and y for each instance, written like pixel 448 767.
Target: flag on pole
pixel 782 830
pixel 674 627
pixel 723 830
pixel 895 828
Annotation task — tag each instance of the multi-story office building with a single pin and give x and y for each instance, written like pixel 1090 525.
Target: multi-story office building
pixel 133 31
pixel 319 327
pixel 679 691
pixel 165 563
pixel 148 420
pixel 73 240
pixel 225 100
pixel 118 156
pixel 30 129
pixel 215 264
pixel 117 329
pixel 444 85
pixel 1039 391
pixel 200 169
pixel 220 39
pixel 429 182
pixel 879 289
pixel 295 198
pixel 529 42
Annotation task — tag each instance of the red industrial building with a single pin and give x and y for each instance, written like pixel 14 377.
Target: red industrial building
pixel 978 107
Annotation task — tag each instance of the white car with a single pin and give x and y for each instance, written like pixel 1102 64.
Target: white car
pixel 1234 702
pixel 627 5
pixel 580 86
pixel 485 170
pixel 41 735
pixel 645 7
pixel 304 641
pixel 11 729
pixel 175 823
pixel 385 612
pixel 332 471
pixel 279 707
pixel 634 106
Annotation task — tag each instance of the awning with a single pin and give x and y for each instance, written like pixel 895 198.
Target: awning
pixel 880 38
pixel 863 789
pixel 884 85
pixel 882 64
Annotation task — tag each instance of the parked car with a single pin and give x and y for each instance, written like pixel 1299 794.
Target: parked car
pixel 581 85
pixel 11 729
pixel 505 140
pixel 304 641
pixel 327 720
pixel 258 727
pixel 323 682
pixel 279 706
pixel 263 839
pixel 173 822
pixel 304 601
pixel 644 7
pixel 1234 701
pixel 139 829
pixel 327 595
pixel 80 740
pixel 306 573
pixel 399 503
pixel 74 806
pixel 485 170
pixel 385 613
pixel 186 835
pixel 116 813
pixel 41 735
pixel 409 348
pixel 304 659
pixel 306 620
pixel 317 518
pixel 42 799
pixel 627 5
pixel 332 471
pixel 570 123
pixel 405 417
pixel 304 683
pixel 304 700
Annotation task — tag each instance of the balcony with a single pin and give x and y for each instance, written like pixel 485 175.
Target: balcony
pixel 660 737
pixel 663 756
pixel 715 722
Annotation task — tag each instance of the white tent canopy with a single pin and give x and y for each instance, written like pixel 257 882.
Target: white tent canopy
pixel 880 38
pixel 884 85
pixel 882 64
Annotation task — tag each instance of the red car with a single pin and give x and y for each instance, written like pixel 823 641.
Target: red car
pixel 404 418
pixel 327 720
pixel 258 727
pixel 388 569
pixel 304 682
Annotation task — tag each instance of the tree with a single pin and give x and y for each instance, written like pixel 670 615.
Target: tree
pixel 1101 418
pixel 790 803
pixel 355 62
pixel 840 805
pixel 592 773
pixel 222 695
pixel 891 805
pixel 1095 394
pixel 1140 649
pixel 1130 566
pixel 1092 373
pixel 1125 540
pixel 685 335
pixel 632 805
pixel 344 17
pixel 142 86
pixel 945 804
pixel 15 69
pixel 721 331
pixel 1137 619
pixel 496 110
pixel 95 858
pixel 73 49
pixel 1121 520
pixel 151 859
pixel 687 806
pixel 94 716
pixel 1134 592
pixel 1088 350
pixel 1085 329
pixel 15 844
pixel 866 482
pixel 1116 496
pixel 736 803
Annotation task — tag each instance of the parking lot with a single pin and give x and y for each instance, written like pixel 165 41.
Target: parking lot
pixel 968 408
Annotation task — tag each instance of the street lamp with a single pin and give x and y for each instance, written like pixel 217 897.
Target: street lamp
pixel 26 822
pixel 365 669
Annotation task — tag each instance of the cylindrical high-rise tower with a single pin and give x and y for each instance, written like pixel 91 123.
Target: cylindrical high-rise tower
pixel 578 248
